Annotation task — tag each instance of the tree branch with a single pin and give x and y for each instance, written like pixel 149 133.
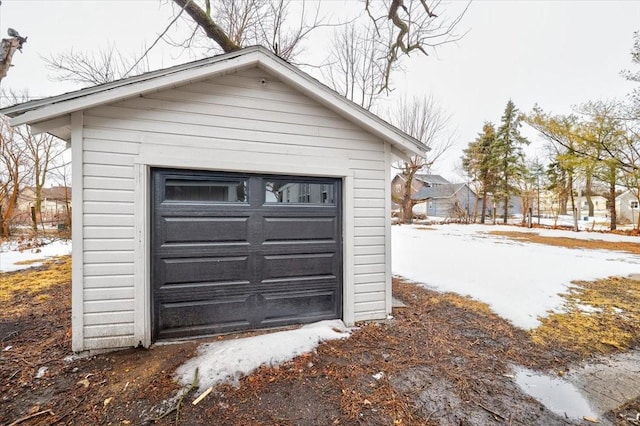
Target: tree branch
pixel 211 29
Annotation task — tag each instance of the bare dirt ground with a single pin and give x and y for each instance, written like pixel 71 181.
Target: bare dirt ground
pixel 444 360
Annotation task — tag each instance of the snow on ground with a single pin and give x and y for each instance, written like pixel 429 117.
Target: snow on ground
pixel 11 256
pixel 229 360
pixel 519 280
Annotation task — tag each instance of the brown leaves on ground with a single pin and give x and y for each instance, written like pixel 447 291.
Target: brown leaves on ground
pixel 36 374
pixel 631 247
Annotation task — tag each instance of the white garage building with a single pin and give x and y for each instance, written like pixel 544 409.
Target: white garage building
pixel 230 193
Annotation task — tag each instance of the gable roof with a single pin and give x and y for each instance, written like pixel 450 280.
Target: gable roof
pixel 625 194
pixel 433 179
pixel 52 114
pixel 439 191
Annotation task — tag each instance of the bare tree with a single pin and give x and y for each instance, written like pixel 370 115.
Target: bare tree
pixel 270 23
pixel 356 64
pixel 401 27
pixel 105 65
pixel 61 175
pixel 425 120
pixel 13 173
pixel 411 26
pixel 42 150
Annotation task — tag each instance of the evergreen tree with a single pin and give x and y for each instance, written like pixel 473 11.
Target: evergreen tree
pixel 509 158
pixel 478 161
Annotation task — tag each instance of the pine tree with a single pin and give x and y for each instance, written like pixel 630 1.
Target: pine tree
pixel 478 162
pixel 509 158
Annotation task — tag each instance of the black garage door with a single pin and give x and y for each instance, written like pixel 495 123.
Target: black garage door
pixel 236 252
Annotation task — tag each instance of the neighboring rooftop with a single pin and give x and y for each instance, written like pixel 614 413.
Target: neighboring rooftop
pixel 432 179
pixel 440 191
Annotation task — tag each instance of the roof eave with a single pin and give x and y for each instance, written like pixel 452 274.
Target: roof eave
pixel 112 92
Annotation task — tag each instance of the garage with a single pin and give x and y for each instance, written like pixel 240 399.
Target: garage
pixel 238 252
pixel 231 193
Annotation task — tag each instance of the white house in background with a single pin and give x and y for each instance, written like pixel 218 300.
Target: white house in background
pixel 54 199
pixel 627 207
pixel 599 206
pixel 176 227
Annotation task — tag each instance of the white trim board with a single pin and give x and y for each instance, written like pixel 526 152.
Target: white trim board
pixel 143 164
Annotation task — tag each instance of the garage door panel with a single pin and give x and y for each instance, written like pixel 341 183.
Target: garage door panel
pixel 211 316
pixel 298 265
pixel 203 269
pixel 297 228
pixel 204 229
pixel 295 305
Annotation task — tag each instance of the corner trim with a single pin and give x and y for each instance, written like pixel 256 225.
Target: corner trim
pixel 77 234
pixel 348 279
pixel 142 283
pixel 388 288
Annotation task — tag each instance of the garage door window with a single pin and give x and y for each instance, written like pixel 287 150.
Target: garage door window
pixel 206 191
pixel 277 192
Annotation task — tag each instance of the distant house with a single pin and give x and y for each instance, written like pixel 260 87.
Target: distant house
pixel 515 206
pixel 446 200
pixel 599 206
pixel 420 181
pixel 54 200
pixel 627 207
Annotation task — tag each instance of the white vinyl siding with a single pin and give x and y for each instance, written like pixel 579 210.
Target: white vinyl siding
pixel 234 117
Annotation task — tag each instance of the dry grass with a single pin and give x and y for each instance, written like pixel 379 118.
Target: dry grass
pixel 599 317
pixel 53 273
pixel 570 242
pixel 464 303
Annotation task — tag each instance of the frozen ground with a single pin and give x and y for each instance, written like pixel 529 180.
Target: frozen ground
pixel 519 280
pixel 14 259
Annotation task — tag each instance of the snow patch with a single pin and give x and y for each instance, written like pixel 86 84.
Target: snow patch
pixel 229 360
pixel 520 281
pixel 11 256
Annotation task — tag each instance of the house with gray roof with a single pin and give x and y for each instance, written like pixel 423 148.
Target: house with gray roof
pixel 451 200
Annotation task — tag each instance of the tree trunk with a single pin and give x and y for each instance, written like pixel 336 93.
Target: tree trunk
pixel 505 214
pixel 407 210
pixel 588 193
pixel 475 209
pixel 611 204
pixel 210 27
pixel 571 197
pixel 526 205
pixel 483 213
pixel 8 211
pixel 8 46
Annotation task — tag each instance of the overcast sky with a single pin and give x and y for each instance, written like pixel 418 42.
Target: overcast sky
pixel 557 54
